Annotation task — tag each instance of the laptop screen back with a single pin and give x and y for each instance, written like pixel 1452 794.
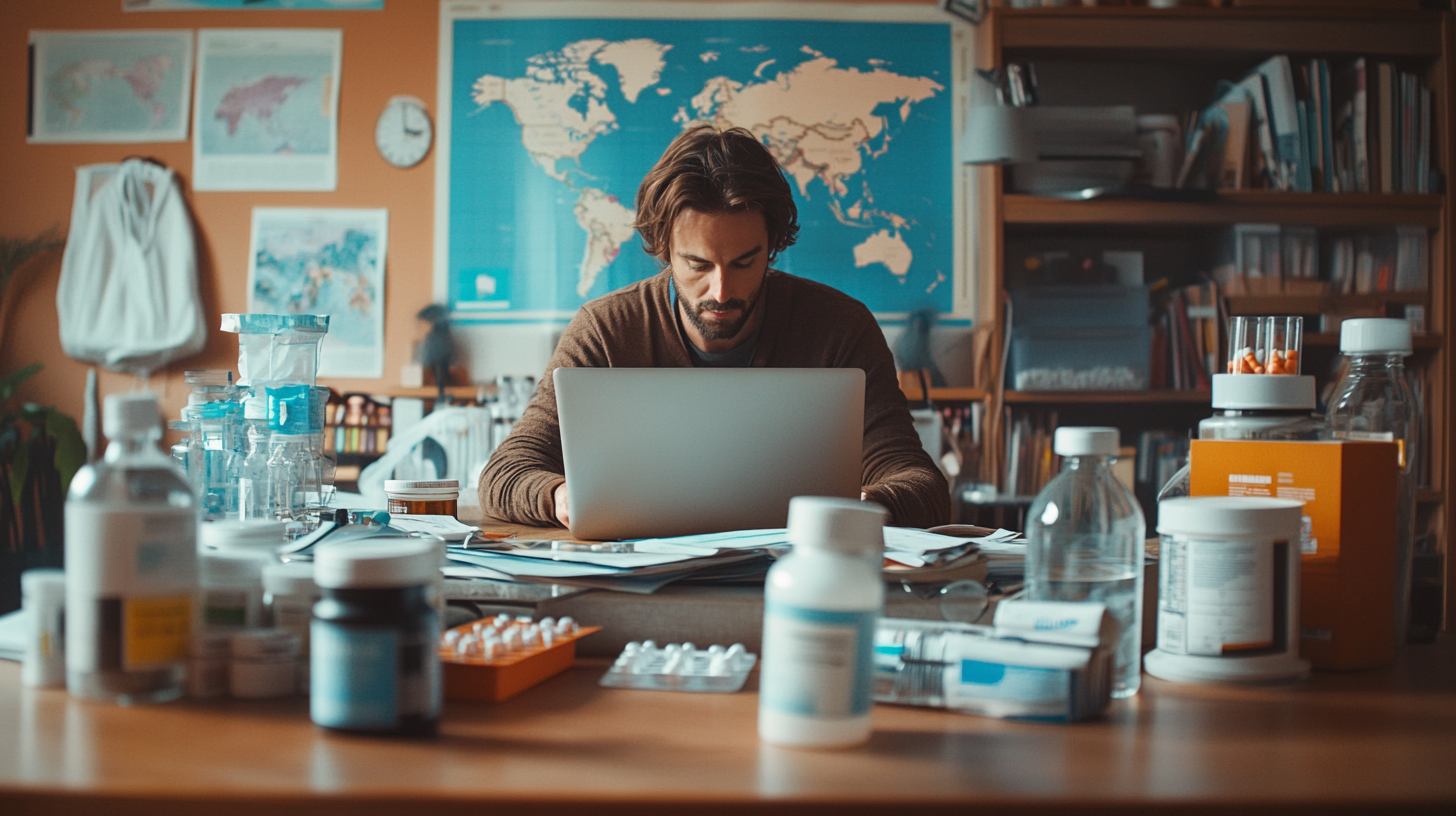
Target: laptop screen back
pixel 675 451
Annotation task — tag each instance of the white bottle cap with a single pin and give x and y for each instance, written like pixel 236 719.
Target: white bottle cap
pixel 1231 516
pixel 1370 335
pixel 237 534
pixel 839 525
pixel 42 587
pixel 1263 392
pixel 377 564
pixel 221 568
pixel 130 413
pixel 293 578
pixel 1085 442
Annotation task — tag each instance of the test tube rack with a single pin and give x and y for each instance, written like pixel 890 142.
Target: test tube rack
pixel 474 674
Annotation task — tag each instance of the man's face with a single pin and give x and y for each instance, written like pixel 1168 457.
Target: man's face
pixel 718 264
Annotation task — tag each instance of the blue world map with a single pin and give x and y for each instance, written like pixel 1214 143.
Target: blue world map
pixel 555 121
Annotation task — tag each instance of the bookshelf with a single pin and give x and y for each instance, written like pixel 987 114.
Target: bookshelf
pixel 1166 61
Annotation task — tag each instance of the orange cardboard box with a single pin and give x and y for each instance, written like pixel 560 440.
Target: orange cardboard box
pixel 1347 567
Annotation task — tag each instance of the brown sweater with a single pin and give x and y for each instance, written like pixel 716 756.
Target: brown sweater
pixel 805 325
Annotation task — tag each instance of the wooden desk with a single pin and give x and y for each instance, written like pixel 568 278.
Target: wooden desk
pixel 1343 743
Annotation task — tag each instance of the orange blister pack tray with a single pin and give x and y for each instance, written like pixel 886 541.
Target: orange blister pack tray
pixel 494 659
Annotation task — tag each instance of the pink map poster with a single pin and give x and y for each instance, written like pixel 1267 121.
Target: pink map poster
pixel 267 109
pixel 109 86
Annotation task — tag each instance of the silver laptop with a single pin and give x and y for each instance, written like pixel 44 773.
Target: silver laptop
pixel 674 451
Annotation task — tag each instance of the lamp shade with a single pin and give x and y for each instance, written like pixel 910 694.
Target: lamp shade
pixel 996 134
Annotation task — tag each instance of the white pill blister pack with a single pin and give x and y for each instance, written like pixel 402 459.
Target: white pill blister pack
pixel 680 667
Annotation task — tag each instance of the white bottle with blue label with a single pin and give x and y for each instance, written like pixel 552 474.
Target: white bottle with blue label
pixel 821 606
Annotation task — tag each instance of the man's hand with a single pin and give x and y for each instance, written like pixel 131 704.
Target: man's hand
pixel 558 497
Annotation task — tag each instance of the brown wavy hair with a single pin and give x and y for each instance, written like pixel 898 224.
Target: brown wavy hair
pixel 713 172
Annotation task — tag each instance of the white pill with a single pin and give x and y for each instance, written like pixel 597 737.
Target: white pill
pixel 530 636
pixel 718 666
pixel 451 637
pixel 523 619
pixel 492 649
pixel 715 650
pixel 689 648
pixel 735 653
pixel 548 622
pixel 674 662
pixel 631 648
pixel 647 645
pixel 548 637
pixel 566 625
pixel 463 645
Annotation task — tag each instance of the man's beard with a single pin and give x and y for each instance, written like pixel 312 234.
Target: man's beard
pixel 719 331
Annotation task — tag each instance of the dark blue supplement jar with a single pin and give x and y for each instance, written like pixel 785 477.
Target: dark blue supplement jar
pixel 373 660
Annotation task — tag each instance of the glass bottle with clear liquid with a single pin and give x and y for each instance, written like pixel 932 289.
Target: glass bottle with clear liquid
pixel 1085 535
pixel 1373 401
pixel 131 564
pixel 254 498
pixel 285 492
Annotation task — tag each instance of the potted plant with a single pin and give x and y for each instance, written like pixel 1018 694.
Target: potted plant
pixel 40 450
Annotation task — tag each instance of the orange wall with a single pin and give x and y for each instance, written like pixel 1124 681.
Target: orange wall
pixel 386 53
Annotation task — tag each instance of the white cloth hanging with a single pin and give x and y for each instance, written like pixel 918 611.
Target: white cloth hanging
pixel 128 295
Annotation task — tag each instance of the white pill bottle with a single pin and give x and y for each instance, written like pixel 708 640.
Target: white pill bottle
pixel 821 605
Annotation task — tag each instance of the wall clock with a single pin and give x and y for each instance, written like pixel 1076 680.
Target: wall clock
pixel 404 132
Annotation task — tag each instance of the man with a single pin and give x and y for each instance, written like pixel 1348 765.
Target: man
pixel 716 211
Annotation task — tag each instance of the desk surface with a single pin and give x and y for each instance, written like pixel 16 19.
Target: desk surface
pixel 1341 743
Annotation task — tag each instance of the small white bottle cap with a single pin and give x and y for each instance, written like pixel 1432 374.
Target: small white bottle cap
pixel 1230 516
pixel 234 534
pixel 378 564
pixel 130 413
pixel 839 525
pixel 1372 335
pixel 1274 392
pixel 1085 441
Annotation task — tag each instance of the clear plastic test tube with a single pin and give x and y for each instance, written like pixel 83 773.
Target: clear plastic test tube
pixel 1246 345
pixel 1285 338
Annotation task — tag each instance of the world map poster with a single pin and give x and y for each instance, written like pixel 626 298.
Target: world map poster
pixel 551 122
pixel 267 109
pixel 109 86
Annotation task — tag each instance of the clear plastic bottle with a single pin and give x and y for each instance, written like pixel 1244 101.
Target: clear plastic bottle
pixel 254 499
pixel 284 492
pixel 1373 400
pixel 1085 542
pixel 821 605
pixel 131 564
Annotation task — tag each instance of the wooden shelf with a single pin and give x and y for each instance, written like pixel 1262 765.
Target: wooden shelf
pixel 1146 397
pixel 461 392
pixel 1328 210
pixel 913 393
pixel 1187 33
pixel 1316 304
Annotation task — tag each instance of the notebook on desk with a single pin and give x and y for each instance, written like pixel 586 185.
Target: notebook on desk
pixel 674 451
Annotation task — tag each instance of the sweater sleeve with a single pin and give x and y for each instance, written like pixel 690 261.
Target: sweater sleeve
pixel 518 481
pixel 897 471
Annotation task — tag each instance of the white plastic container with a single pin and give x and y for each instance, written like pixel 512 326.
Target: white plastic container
pixel 264 664
pixel 821 606
pixel 233 555
pixel 43 597
pixel 1228 591
pixel 289 593
pixel 208 657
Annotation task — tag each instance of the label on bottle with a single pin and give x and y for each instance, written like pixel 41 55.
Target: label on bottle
pixel 817 663
pixel 372 678
pixel 1216 597
pixel 225 607
pixel 155 631
pixel 131 572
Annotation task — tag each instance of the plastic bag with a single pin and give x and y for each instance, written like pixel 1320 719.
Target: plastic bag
pixel 128 291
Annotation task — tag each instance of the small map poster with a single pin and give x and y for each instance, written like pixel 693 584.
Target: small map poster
pixel 110 86
pixel 267 109
pixel 551 114
pixel 325 261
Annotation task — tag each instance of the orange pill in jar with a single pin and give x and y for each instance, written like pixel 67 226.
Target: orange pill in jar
pixel 422 498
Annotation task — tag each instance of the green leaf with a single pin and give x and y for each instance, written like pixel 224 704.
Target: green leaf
pixel 10 382
pixel 70 447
